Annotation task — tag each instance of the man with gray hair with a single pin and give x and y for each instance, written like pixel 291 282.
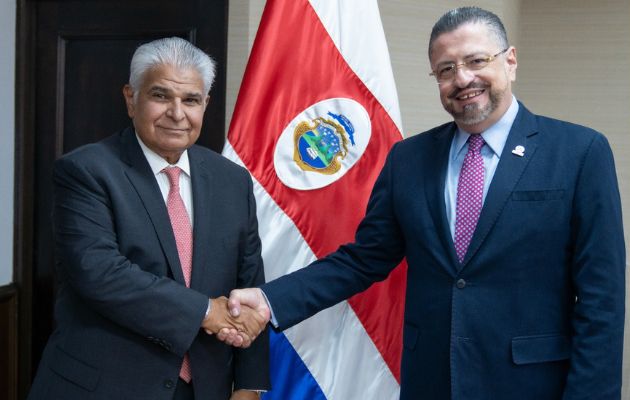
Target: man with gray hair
pixel 151 232
pixel 511 226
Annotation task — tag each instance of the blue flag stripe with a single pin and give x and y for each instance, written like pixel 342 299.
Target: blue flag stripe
pixel 290 379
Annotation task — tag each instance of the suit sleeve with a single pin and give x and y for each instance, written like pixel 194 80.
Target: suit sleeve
pixel 378 248
pixel 89 261
pixel 598 274
pixel 251 365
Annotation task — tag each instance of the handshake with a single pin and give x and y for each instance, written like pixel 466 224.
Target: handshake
pixel 239 320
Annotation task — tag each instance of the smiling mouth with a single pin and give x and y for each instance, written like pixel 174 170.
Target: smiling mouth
pixel 173 129
pixel 470 95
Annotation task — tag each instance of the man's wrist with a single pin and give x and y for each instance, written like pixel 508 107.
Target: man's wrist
pixel 249 393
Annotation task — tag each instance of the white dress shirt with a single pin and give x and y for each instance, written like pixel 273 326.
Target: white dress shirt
pixel 157 164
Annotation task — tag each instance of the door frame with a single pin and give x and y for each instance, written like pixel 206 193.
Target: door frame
pixel 24 189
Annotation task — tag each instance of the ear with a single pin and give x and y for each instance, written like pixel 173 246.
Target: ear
pixel 128 95
pixel 510 58
pixel 206 102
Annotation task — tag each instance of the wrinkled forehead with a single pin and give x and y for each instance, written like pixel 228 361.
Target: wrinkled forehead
pixel 171 75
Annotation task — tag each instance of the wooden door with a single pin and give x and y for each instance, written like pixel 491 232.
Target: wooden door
pixel 73 60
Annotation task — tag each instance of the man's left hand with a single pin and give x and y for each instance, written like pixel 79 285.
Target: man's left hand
pixel 237 331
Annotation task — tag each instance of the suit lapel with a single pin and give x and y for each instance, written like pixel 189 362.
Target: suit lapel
pixel 507 175
pixel 203 199
pixel 434 187
pixel 143 181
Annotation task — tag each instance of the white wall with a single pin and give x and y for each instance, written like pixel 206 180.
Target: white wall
pixel 7 136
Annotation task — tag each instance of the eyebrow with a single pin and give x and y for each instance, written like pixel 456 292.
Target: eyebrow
pixel 467 57
pixel 158 89
pixel 161 89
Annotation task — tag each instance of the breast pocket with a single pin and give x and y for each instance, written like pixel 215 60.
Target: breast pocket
pixel 545 215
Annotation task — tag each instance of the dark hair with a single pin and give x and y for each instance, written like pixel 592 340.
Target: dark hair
pixel 457 17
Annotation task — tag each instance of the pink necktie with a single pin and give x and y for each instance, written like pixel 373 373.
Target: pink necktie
pixel 469 196
pixel 183 238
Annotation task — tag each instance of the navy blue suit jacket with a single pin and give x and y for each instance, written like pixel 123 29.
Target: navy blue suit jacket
pixel 124 316
pixel 536 309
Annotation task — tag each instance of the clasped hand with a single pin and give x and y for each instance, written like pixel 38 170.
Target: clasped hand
pixel 240 320
pixel 238 330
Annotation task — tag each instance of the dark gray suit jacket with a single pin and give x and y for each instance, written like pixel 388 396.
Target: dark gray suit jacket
pixel 535 311
pixel 124 316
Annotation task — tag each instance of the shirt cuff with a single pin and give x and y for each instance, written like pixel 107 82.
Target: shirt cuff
pixel 273 320
pixel 209 308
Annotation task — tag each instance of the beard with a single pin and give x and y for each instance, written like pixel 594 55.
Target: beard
pixel 473 114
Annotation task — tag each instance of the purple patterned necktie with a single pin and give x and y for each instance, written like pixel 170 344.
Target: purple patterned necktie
pixel 469 195
pixel 182 229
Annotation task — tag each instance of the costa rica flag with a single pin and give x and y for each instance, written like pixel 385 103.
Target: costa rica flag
pixel 316 115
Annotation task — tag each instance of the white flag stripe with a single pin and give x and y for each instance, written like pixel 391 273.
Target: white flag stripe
pixel 336 329
pixel 284 249
pixel 355 28
pixel 348 347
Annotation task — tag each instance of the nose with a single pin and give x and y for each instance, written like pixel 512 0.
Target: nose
pixel 463 77
pixel 175 110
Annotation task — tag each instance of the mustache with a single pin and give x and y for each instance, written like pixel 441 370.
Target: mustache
pixel 472 85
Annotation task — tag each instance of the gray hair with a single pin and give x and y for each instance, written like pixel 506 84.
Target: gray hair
pixel 457 17
pixel 173 51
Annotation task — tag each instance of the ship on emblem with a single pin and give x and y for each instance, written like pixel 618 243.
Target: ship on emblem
pixel 321 144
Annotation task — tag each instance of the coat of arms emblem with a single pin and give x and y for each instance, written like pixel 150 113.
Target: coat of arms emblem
pixel 321 143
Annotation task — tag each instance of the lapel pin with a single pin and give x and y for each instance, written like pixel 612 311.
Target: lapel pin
pixel 519 151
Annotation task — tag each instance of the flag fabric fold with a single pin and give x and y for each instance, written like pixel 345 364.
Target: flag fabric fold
pixel 316 114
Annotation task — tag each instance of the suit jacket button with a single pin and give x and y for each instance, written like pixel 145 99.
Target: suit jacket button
pixel 168 383
pixel 461 283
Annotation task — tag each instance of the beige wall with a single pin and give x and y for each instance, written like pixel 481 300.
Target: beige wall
pixel 407 25
pixel 243 23
pixel 574 58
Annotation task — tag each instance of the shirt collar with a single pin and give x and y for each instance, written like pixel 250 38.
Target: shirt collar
pixel 495 136
pixel 157 163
